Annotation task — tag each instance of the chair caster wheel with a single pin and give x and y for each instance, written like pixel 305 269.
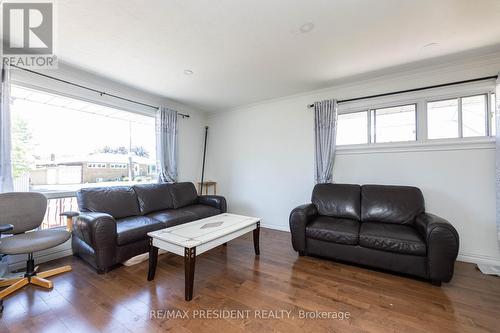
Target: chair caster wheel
pixel 1 306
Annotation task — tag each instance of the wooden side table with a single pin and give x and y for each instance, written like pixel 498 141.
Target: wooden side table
pixel 206 186
pixel 69 219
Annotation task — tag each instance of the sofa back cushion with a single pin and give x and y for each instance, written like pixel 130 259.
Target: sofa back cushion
pixel 338 200
pixel 117 201
pixel 153 197
pixel 183 194
pixel 391 204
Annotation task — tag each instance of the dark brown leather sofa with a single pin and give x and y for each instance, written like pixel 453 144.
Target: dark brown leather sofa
pixel 375 225
pixel 114 221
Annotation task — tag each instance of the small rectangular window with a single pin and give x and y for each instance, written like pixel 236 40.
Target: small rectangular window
pixel 474 110
pixel 352 128
pixel 442 119
pixel 493 113
pixel 457 118
pixel 394 124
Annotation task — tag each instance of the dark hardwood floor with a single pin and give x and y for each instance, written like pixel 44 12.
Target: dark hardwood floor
pixel 232 278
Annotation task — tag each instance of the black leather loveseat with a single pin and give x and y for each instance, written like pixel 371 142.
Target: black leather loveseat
pixel 374 225
pixel 114 221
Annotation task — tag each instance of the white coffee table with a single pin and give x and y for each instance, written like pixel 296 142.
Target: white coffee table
pixel 194 238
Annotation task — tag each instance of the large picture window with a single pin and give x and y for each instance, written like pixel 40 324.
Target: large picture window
pixel 62 144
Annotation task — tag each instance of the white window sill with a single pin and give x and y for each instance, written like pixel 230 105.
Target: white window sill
pixel 429 145
pixel 59 194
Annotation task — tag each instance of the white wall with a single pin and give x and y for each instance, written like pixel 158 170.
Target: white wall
pixel 191 138
pixel 262 157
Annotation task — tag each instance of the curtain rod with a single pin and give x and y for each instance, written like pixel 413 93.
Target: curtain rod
pixel 102 93
pixel 414 89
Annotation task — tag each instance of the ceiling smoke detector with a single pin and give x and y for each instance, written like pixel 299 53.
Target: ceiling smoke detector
pixel 306 27
pixel 188 72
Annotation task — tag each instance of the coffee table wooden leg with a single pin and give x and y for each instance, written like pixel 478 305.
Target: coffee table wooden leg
pixel 153 259
pixel 189 260
pixel 256 233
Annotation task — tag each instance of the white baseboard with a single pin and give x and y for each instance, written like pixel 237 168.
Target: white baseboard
pixel 478 259
pixel 275 227
pixel 462 256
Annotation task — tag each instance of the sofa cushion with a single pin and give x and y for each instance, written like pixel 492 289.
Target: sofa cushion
pixel 183 215
pixel 391 204
pixel 135 228
pixel 117 201
pixel 172 217
pixel 338 200
pixel 200 211
pixel 392 237
pixel 153 197
pixel 183 194
pixel 336 230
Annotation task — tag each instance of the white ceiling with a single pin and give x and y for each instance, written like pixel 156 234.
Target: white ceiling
pixel 248 51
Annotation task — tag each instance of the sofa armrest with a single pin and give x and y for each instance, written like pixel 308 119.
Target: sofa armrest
pixel 216 201
pixel 6 228
pixel 70 214
pixel 96 229
pixel 442 245
pixel 299 218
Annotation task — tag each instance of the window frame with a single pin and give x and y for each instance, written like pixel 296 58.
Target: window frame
pixel 491 113
pixel 372 130
pixel 69 92
pixel 421 98
pixel 373 111
pixel 487 115
pixel 367 128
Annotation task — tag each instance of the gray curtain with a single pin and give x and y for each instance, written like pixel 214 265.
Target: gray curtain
pixel 325 130
pixel 497 153
pixel 6 181
pixel 166 145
